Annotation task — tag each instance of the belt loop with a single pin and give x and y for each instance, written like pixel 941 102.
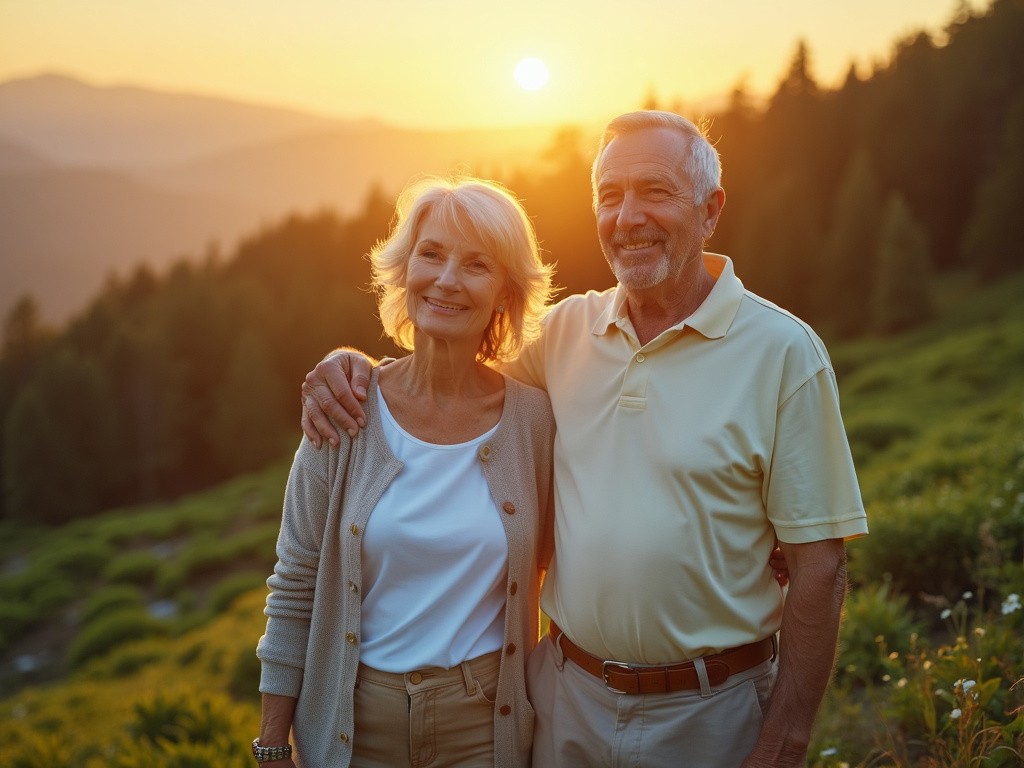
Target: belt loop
pixel 467 678
pixel 559 653
pixel 702 675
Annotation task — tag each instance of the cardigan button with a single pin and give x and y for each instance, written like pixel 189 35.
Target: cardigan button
pixel 485 452
pixel 343 737
pixel 509 507
pixel 511 649
pixel 350 637
pixel 505 709
pixel 513 587
pixel 355 529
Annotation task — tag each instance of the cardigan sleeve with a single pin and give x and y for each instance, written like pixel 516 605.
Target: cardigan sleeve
pixel 282 649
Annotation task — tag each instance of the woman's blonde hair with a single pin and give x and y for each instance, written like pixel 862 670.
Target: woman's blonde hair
pixel 479 209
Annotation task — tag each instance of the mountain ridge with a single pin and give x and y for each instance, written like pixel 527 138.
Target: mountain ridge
pixel 195 168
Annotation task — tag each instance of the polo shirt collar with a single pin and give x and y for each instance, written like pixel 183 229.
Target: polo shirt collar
pixel 711 319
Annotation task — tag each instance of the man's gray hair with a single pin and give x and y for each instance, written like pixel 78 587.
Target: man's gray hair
pixel 702 166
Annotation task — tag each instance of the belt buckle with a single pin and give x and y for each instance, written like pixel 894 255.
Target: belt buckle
pixel 604 674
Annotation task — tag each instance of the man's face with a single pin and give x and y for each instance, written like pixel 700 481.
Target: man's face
pixel 648 222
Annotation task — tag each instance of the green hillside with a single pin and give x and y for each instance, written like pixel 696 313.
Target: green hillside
pixel 128 639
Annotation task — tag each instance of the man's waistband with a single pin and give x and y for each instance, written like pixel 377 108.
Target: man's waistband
pixel 634 679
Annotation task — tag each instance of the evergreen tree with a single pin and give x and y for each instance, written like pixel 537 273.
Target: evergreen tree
pixel 59 448
pixel 249 427
pixel 31 437
pixel 778 245
pixel 25 340
pixel 847 265
pixel 901 297
pixel 994 239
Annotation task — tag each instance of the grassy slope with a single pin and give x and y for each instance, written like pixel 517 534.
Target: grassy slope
pixel 936 419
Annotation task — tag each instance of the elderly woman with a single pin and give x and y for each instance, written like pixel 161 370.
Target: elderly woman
pixel 404 601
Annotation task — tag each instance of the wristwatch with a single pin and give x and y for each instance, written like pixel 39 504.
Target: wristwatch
pixel 266 754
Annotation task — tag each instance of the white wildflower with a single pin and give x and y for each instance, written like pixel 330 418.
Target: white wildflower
pixel 968 595
pixel 946 613
pixel 1011 603
pixel 829 752
pixel 955 714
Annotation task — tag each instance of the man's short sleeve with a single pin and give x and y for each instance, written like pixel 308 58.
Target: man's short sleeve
pixel 811 490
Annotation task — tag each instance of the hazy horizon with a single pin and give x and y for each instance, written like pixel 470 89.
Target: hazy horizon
pixel 448 66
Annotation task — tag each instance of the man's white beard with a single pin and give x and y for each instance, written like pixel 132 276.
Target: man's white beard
pixel 639 277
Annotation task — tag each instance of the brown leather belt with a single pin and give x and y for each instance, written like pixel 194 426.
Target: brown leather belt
pixel 636 678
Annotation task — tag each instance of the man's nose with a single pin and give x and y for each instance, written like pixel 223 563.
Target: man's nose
pixel 630 212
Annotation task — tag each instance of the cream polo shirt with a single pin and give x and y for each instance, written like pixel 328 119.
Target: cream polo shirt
pixel 678 462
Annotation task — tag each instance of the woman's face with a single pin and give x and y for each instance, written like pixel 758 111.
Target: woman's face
pixel 453 285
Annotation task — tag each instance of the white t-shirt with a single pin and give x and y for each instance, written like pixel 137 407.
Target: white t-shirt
pixel 434 559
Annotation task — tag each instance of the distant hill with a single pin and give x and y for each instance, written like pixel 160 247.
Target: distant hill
pixel 97 179
pixel 336 168
pixel 16 158
pixel 75 123
pixel 64 231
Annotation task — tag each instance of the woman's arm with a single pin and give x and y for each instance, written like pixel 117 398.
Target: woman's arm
pixel 276 724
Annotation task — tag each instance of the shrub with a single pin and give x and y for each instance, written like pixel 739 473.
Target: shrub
pixel 244 679
pixel 110 630
pixel 876 625
pixel 138 567
pixel 222 595
pixel 118 597
pixel 14 619
pixel 78 559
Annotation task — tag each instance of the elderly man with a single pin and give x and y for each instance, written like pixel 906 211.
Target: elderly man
pixel 697 423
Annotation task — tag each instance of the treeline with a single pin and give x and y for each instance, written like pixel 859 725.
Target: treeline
pixel 842 206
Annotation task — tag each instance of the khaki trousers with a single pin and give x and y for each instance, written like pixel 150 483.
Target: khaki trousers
pixel 581 724
pixel 430 717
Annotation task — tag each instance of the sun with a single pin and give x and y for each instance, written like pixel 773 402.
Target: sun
pixel 531 74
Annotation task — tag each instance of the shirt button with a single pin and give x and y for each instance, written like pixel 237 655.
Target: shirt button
pixel 509 507
pixel 640 357
pixel 350 637
pixel 513 587
pixel 415 678
pixel 352 586
pixel 355 529
pixel 485 452
pixel 344 738
pixel 511 649
pixel 505 709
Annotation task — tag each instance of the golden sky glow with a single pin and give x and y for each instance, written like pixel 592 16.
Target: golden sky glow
pixel 450 63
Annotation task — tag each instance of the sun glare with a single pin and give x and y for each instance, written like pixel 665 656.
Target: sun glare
pixel 531 74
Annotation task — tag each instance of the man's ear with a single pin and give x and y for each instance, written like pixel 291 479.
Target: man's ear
pixel 712 209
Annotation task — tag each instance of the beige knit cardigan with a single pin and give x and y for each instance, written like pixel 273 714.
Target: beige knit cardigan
pixel 311 646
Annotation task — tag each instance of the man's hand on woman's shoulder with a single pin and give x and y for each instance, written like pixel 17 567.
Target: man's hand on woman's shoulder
pixel 333 393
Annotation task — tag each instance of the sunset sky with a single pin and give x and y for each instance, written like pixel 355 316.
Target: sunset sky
pixel 449 63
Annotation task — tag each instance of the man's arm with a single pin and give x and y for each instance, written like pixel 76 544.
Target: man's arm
pixel 807 651
pixel 335 390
